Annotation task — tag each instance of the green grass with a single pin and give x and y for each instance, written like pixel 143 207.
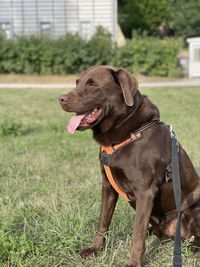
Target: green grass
pixel 50 183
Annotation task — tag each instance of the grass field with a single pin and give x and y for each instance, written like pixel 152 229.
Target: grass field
pixel 50 183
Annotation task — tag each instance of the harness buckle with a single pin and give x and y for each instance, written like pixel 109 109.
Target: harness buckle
pixel 173 136
pixel 105 157
pixel 168 173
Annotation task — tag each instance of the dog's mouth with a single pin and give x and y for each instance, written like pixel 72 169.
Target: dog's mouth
pixel 84 121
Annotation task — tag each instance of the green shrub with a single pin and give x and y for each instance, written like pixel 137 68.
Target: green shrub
pixel 68 54
pixel 100 49
pixel 72 54
pixel 7 55
pixel 34 55
pixel 150 56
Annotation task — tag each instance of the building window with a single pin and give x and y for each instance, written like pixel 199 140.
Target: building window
pixel 197 54
pixel 45 28
pixel 86 30
pixel 6 28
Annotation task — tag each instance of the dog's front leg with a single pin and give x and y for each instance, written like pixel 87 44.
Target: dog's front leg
pixel 144 205
pixel 108 203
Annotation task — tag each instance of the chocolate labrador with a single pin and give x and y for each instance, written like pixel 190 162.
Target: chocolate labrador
pixel 107 100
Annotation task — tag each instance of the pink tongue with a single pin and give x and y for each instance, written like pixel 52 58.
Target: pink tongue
pixel 74 123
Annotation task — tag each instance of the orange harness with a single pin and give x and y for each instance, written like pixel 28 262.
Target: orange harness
pixel 108 151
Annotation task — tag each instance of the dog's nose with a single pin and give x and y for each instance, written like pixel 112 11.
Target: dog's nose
pixel 64 99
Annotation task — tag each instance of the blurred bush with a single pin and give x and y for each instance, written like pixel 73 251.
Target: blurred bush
pixel 71 54
pixel 150 56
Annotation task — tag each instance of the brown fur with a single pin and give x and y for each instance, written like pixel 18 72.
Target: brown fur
pixel 139 168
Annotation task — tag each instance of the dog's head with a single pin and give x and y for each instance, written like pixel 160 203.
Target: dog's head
pixel 101 92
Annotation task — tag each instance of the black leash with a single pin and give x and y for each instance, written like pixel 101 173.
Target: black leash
pixel 177 259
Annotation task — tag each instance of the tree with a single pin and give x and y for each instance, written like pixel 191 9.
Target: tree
pixel 186 19
pixel 160 17
pixel 144 16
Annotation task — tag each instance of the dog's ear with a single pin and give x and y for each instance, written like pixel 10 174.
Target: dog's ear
pixel 128 84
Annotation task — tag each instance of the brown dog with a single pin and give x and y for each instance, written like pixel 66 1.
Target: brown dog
pixel 107 100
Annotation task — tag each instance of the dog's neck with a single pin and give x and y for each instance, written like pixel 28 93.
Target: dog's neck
pixel 143 112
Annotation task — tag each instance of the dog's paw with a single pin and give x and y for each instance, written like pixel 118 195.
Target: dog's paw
pixel 88 253
pixel 195 249
pixel 195 245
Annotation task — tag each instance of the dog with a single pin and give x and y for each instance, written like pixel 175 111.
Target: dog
pixel 106 100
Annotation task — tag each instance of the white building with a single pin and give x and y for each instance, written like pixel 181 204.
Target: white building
pixel 194 57
pixel 57 17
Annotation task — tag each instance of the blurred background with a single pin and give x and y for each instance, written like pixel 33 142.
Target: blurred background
pixel 148 37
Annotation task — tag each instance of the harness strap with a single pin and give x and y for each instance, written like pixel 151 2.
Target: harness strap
pixel 113 183
pixel 106 154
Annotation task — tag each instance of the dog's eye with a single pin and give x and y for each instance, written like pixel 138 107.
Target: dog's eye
pixel 77 81
pixel 91 82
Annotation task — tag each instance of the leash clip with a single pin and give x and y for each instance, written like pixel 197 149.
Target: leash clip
pixel 172 134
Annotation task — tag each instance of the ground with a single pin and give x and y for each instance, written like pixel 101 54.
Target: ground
pixel 51 79
pixel 17 78
pixel 50 183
